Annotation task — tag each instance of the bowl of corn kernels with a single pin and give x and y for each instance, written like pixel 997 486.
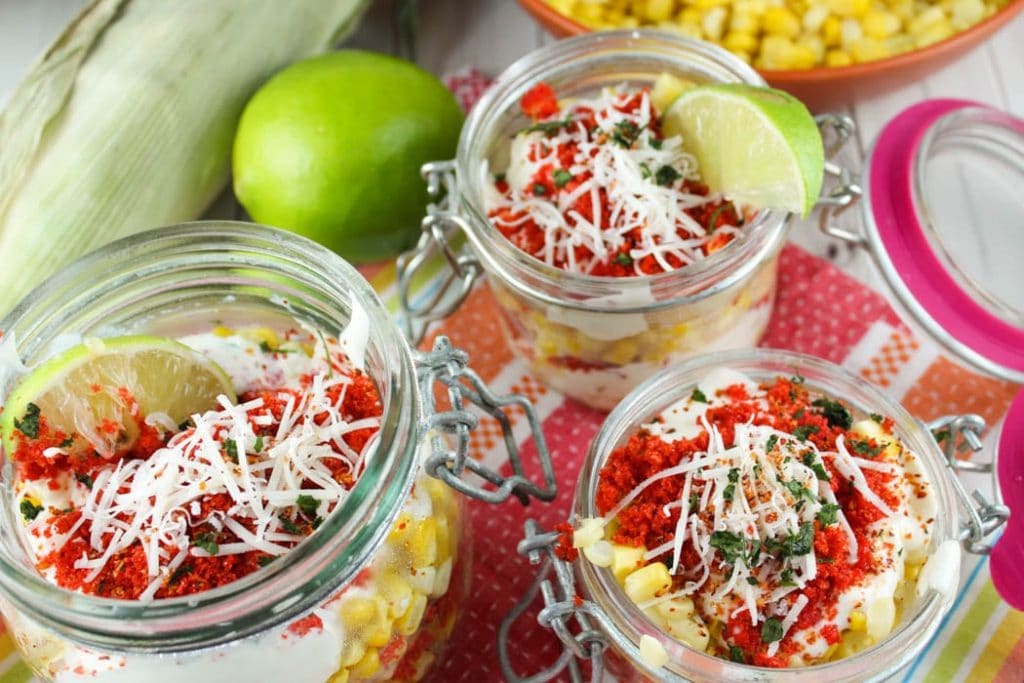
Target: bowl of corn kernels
pixel 826 52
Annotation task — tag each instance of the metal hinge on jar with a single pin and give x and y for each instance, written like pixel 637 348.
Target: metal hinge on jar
pixel 562 607
pixel 440 228
pixel 961 434
pixel 843 188
pixel 449 367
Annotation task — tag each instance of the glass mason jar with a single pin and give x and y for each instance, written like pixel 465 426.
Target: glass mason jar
pixel 610 624
pixel 374 593
pixel 593 338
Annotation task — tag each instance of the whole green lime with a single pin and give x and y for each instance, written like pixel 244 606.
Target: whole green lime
pixel 331 148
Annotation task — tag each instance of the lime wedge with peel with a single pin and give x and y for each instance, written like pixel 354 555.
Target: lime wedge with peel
pixel 98 393
pixel 757 146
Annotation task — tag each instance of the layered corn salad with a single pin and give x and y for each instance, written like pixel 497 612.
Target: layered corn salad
pixel 793 34
pixel 594 189
pixel 185 508
pixel 766 524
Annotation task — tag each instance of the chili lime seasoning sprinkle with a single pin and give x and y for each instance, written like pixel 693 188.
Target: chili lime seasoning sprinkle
pixel 189 508
pixel 772 527
pixel 594 187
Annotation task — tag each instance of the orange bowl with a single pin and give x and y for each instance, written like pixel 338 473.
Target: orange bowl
pixel 825 87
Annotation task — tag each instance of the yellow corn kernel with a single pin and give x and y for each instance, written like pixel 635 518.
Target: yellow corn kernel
pixel 838 58
pixel 443 578
pixel 932 34
pixel 422 579
pixel 357 612
pixel 689 16
pixel 708 4
pixel 881 616
pixel 850 32
pixel 622 352
pixel 589 531
pixel 646 582
pixel 922 20
pixel 849 8
pixel 739 42
pixel 830 652
pixel 377 633
pixel 879 24
pixel 689 630
pixel 713 22
pixel 851 643
pixel 444 539
pixel 652 652
pixel 658 10
pixel 744 22
pixel 625 560
pixel 780 21
pixel 562 6
pixel 831 31
pixel 666 89
pixel 815 45
pixel 351 652
pixel 868 49
pixel 874 431
pixel 221 331
pixel 599 554
pixel 588 11
pixel 858 621
pixel 368 665
pixel 814 17
pixel 407 624
pixel 340 677
pixel 263 335
pixel 911 572
pixel 396 591
pixel 675 608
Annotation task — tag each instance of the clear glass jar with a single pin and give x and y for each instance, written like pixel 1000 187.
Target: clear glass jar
pixel 372 595
pixel 620 623
pixel 595 338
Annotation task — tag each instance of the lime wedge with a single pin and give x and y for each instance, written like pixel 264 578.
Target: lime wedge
pixel 88 389
pixel 758 146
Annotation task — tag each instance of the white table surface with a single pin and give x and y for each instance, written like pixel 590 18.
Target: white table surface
pixel 491 34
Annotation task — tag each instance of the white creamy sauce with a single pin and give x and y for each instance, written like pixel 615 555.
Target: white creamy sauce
pixel 248 366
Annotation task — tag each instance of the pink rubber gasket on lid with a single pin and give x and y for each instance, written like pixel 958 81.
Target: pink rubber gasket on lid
pixel 1007 560
pixel 908 247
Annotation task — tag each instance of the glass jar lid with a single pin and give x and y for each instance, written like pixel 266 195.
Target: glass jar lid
pixel 944 218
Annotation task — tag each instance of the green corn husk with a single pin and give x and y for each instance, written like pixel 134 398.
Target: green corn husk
pixel 126 122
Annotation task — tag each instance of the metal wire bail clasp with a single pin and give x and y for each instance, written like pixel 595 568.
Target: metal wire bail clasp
pixel 439 229
pixel 842 187
pixel 561 607
pixel 957 434
pixel 448 366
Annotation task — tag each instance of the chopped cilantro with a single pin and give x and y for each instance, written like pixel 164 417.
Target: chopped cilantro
pixel 547 127
pixel 187 424
pixel 731 545
pixel 714 217
pixel 698 395
pixel 752 580
pixel 771 630
pixel 694 502
pixel 232 448
pixel 29 422
pixel 645 171
pixel 826 560
pixel 819 469
pixel 206 541
pixel 828 514
pixel 265 560
pixel 539 190
pixel 289 526
pixel 794 545
pixel 655 142
pixel 561 177
pixel 799 491
pixel 730 490
pixel 862 447
pixel 68 442
pixel 804 431
pixel 30 510
pixel 308 504
pixel 737 654
pixel 499 177
pixel 876 417
pixel 317 522
pixel 771 443
pixel 626 133
pixel 786 578
pixel 258 446
pixel 179 573
pixel 797 379
pixel 835 412
pixel 666 175
pixel 623 259
pixel 84 479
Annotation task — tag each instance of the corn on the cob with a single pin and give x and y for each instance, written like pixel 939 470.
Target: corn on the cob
pixel 126 123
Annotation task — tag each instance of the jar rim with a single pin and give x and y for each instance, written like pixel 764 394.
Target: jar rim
pixel 763 235
pixel 312 571
pixel 915 627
